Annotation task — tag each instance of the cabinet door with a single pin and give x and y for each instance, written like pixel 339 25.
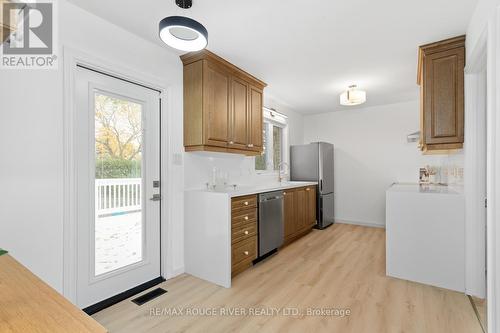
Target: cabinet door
pixel 310 206
pixel 289 213
pixel 216 105
pixel 255 119
pixel 239 114
pixel 300 209
pixel 444 97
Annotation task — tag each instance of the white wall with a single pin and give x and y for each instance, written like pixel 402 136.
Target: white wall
pixel 483 14
pixel 371 152
pixel 31 141
pixel 295 119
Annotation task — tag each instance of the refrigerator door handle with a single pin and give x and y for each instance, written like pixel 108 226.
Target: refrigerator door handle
pixel 321 185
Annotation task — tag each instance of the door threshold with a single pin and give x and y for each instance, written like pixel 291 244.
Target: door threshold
pixel 90 310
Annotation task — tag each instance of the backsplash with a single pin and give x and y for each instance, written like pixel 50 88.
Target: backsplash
pixel 237 169
pixel 445 169
pixel 240 169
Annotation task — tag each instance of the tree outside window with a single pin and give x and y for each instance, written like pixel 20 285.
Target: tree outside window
pixel 118 138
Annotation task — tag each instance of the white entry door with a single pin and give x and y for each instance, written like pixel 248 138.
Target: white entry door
pixel 118 170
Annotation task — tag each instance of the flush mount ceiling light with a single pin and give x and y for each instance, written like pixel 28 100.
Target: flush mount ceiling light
pixel 353 96
pixel 183 33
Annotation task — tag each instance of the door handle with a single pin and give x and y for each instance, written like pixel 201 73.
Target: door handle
pixel 155 197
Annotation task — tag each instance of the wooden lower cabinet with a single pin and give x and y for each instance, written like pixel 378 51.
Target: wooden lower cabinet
pixel 243 233
pixel 300 212
pixel 311 219
pixel 299 219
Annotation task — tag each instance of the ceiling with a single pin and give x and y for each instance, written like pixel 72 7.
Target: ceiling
pixel 310 51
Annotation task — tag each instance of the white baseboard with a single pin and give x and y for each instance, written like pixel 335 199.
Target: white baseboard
pixel 475 293
pixel 174 273
pixel 361 223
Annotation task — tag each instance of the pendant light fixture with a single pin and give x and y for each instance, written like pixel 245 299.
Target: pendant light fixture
pixel 183 33
pixel 352 96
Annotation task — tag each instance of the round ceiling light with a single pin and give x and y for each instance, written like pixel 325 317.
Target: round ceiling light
pixel 352 96
pixel 183 33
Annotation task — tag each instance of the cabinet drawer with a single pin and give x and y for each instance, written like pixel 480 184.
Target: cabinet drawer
pixel 244 216
pixel 240 203
pixel 240 267
pixel 245 250
pixel 243 231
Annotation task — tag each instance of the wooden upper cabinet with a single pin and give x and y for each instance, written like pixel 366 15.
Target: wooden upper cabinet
pixel 239 115
pixel 441 77
pixel 255 119
pixel 222 106
pixel 217 106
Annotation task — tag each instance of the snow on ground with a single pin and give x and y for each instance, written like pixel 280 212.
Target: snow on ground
pixel 118 241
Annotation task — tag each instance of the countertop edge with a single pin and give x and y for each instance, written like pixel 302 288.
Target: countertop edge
pixel 417 189
pixel 254 191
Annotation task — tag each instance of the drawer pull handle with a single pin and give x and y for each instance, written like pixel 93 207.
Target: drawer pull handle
pixel 246 218
pixel 246 253
pixel 307 189
pixel 246 232
pixel 246 203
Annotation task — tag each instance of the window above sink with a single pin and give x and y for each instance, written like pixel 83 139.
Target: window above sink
pixel 275 142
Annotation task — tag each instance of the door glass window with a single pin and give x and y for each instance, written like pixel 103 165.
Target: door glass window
pixel 118 228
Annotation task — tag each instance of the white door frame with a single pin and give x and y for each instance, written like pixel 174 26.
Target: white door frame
pixel 72 58
pixel 475 170
pixel 489 43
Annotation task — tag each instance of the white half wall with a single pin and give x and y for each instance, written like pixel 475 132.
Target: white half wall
pixel 371 153
pixel 31 136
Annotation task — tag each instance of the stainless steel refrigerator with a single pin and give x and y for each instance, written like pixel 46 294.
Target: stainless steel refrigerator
pixel 314 162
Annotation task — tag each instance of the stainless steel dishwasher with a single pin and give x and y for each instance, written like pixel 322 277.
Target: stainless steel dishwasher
pixel 271 227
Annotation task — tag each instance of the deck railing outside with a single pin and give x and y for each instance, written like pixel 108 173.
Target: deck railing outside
pixel 117 196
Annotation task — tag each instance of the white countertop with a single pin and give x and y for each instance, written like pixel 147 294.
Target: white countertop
pixel 254 189
pixel 426 189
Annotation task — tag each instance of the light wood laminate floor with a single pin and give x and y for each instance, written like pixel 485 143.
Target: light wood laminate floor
pixel 481 307
pixel 340 267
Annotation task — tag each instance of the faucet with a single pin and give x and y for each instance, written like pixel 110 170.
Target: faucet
pixel 280 165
